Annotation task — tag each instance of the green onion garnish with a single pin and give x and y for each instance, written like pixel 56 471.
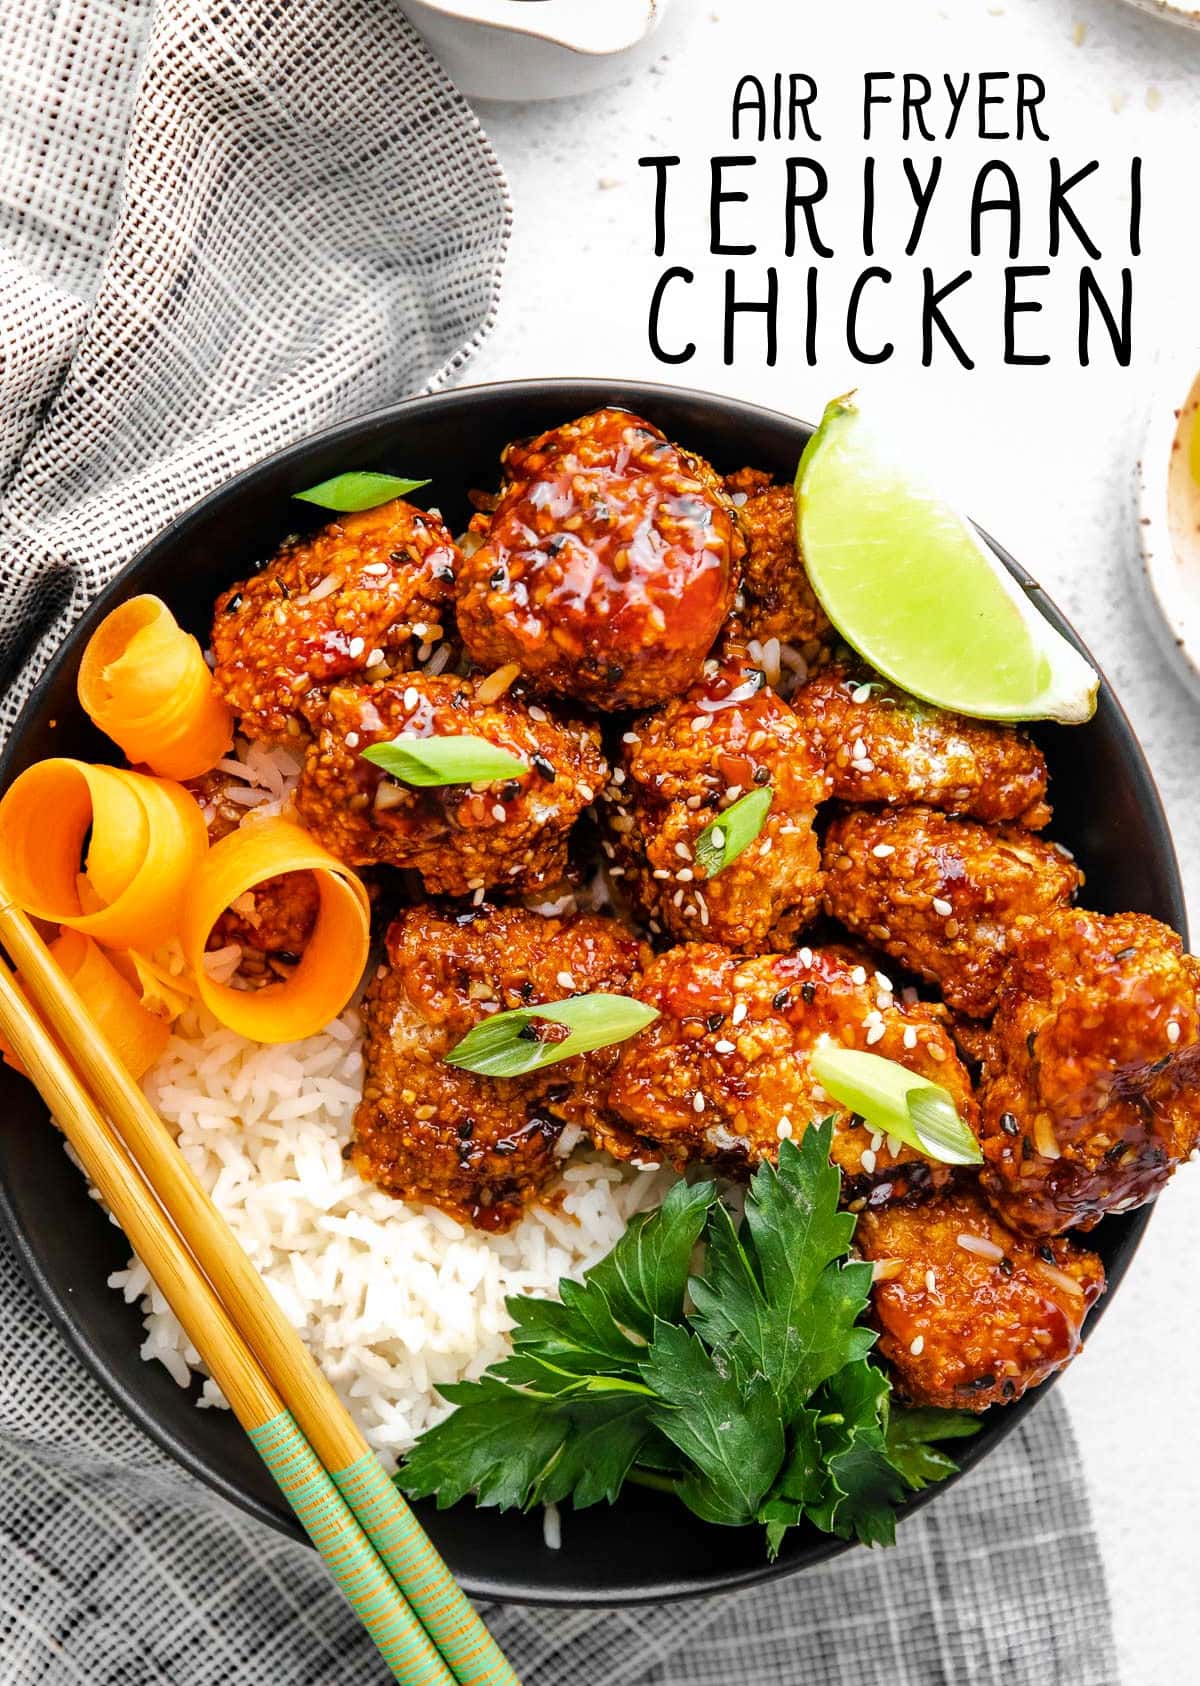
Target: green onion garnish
pixel 451 760
pixel 349 493
pixel 504 1045
pixel 893 1099
pixel 723 840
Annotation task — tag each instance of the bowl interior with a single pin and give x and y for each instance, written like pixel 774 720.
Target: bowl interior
pixel 646 1548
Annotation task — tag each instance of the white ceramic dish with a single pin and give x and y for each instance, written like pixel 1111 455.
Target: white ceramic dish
pixel 1169 508
pixel 1188 15
pixel 536 49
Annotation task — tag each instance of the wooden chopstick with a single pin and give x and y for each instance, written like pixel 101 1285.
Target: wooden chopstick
pixel 328 1520
pixel 296 1380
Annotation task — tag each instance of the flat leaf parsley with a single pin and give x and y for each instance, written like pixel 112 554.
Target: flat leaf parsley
pixel 745 1389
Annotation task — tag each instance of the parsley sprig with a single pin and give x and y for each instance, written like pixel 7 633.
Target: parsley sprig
pixel 746 1389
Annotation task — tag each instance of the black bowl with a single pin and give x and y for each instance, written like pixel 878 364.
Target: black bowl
pixel 646 1548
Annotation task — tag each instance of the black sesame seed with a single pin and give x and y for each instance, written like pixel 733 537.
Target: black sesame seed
pixel 808 993
pixel 234 604
pixel 558 1094
pixel 1026 1148
pixel 1030 1044
pixel 284 590
pixel 458 700
pixel 1005 1266
pixel 286 956
pixel 498 580
pixel 399 556
pixel 714 1021
pixel 782 1000
pixel 762 775
pixel 1114 1152
pixel 466 1130
pixel 445 575
pixel 979 1383
pixel 526 989
pixel 1124 954
pixel 1008 1123
pixel 511 791
pixel 614 672
pixel 544 767
pixel 1008 1388
pixel 1046 1254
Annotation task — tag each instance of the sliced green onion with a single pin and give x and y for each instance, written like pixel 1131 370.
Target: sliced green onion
pixel 504 1046
pixel 723 840
pixel 460 759
pixel 895 1100
pixel 348 493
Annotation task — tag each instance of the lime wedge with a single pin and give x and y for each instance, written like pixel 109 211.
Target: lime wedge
pixel 906 580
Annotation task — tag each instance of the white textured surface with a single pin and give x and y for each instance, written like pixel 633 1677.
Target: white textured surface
pixel 1043 457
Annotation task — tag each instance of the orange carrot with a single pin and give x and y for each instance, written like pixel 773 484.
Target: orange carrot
pixel 148 838
pixel 144 682
pixel 332 963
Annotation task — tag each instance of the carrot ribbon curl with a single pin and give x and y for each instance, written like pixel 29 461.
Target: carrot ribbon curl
pixel 144 682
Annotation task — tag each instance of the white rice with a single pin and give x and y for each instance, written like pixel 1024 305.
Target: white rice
pixel 392 1299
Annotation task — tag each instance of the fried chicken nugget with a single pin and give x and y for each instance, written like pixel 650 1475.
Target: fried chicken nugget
pixel 356 599
pixel 970 1314
pixel 513 831
pixel 1090 1088
pixel 881 745
pixel 682 768
pixel 608 564
pixel 942 895
pixel 481 1148
pixel 723 1074
pixel 776 598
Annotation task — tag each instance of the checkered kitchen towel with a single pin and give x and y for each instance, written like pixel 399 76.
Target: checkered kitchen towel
pixel 223 225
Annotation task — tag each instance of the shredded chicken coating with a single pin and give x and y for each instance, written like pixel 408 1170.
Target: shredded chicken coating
pixel 511 831
pixel 970 1314
pixel 279 914
pixel 607 567
pixel 723 1074
pixel 481 1148
pixel 881 745
pixel 941 895
pixel 356 599
pixel 681 769
pixel 1090 1089
pixel 776 598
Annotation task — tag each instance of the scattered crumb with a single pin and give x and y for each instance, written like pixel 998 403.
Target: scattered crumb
pixel 606 182
pixel 1118 101
pixel 1153 98
pixel 1079 32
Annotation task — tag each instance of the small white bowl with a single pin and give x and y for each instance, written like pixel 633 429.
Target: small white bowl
pixel 1169 507
pixel 536 49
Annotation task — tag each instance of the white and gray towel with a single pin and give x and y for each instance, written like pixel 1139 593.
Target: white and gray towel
pixel 225 224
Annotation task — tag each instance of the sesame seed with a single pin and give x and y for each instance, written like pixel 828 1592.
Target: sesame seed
pixel 733 792
pixel 860 693
pixel 478 896
pixel 677 898
pixel 936 1053
pixel 411 697
pixel 659 872
pixel 875 1034
pixel 883 1001
pixel 859 975
pixel 876 1140
pixel 863 765
pixel 859 752
pixel 351 740
pixel 376 568
pixel 538 714
pixel 500 812
pixel 784 1128
pixel 918 1346
pixel 942 907
pixel 697 1102
pixel 806 956
pixel 701 723
pixel 419 631
pixel 682 850
pixel 738 1014
pixel 1173 1031
pixel 564 980
pixel 724 1046
pixel 717 837
pixel 357 646
pixel 881 851
pixel 375 657
pixel 626 737
pixel 931 1281
pixel 618 776
pixel 884 982
pixel 868 1161
pixel 685 875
